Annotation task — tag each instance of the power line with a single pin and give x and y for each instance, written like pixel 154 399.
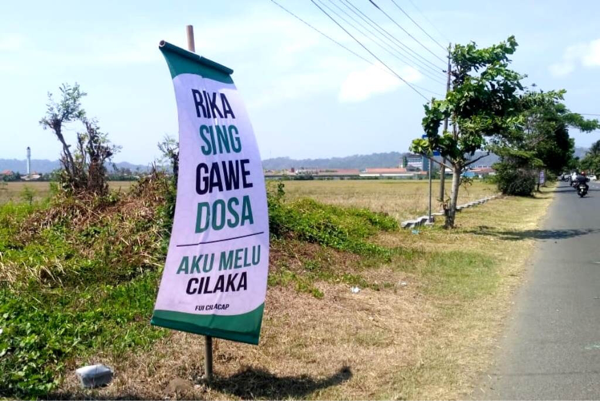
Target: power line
pixel 420 27
pixel 344 47
pixel 317 30
pixel 377 43
pixel 391 37
pixel 589 114
pixel 430 23
pixel 370 52
pixel 394 46
pixel 405 31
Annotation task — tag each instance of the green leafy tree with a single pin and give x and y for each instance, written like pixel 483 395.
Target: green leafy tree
pixel 591 160
pixel 483 107
pixel 541 143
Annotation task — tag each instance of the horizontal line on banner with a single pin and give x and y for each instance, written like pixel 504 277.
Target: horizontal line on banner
pixel 222 240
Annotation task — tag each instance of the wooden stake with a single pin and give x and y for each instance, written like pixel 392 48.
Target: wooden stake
pixel 190 38
pixel 208 358
pixel 208 348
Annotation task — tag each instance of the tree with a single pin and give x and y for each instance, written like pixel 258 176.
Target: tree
pixel 169 148
pixel 482 105
pixel 542 142
pixel 591 160
pixel 67 110
pixel 84 168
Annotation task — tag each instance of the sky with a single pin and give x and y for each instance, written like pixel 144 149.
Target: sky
pixel 307 97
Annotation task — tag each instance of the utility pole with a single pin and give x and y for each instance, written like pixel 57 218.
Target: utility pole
pixel 208 341
pixel 442 168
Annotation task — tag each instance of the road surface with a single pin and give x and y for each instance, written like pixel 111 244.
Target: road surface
pixel 552 344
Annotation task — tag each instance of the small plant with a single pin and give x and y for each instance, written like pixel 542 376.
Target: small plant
pixel 28 194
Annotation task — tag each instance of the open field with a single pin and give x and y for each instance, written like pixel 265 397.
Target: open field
pixel 402 199
pixel 423 325
pixel 12 191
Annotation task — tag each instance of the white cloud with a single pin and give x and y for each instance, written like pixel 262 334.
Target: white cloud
pixel 592 57
pixel 11 42
pixel 374 80
pixel 562 69
pixel 585 54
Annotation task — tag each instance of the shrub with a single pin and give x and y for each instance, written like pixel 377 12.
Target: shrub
pixel 341 228
pixel 514 181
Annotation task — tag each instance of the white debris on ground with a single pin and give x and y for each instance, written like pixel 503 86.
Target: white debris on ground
pixel 94 375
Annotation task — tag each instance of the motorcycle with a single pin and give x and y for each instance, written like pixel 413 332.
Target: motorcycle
pixel 582 189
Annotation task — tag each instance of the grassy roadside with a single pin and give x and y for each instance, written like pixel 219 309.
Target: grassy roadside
pixel 78 279
pixel 473 299
pixel 401 199
pixel 423 325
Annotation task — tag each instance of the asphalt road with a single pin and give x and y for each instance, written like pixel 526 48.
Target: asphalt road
pixel 552 345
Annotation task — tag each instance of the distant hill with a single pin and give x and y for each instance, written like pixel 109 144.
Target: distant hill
pixel 375 160
pixel 390 159
pixel 580 152
pixel 47 166
pixel 486 161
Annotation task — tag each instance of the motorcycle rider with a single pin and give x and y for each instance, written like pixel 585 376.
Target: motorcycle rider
pixel 582 179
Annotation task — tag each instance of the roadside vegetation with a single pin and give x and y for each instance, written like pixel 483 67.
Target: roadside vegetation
pixel 487 107
pixel 79 279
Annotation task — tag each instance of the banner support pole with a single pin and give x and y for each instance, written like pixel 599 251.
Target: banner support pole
pixel 208 348
pixel 190 38
pixel 208 358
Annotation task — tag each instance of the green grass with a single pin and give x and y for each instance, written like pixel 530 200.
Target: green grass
pixel 78 279
pixel 79 276
pixel 75 279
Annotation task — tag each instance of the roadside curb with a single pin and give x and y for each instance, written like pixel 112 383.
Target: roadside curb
pixel 424 220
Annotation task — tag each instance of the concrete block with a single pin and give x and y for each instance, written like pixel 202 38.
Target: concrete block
pixel 94 375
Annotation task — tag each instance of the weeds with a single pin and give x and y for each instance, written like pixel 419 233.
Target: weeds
pixel 79 274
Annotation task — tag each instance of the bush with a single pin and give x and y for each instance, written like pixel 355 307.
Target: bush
pixel 341 228
pixel 78 274
pixel 515 181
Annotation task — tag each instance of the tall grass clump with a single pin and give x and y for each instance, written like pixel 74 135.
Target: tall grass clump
pixel 341 228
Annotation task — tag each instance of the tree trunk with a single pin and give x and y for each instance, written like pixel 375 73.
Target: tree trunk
pixel 451 211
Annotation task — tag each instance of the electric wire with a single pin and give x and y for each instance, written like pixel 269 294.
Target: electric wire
pixel 430 23
pixel 344 47
pixel 405 31
pixel 420 27
pixel 376 42
pixel 421 61
pixel 395 55
pixel 369 51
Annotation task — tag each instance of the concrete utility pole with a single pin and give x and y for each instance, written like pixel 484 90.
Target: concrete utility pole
pixel 442 168
pixel 208 341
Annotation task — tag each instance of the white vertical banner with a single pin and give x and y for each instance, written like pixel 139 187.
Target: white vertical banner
pixel 215 277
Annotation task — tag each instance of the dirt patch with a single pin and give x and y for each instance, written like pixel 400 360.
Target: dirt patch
pixel 342 346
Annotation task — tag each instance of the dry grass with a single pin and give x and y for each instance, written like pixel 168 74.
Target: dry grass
pixel 401 199
pixel 12 190
pixel 428 334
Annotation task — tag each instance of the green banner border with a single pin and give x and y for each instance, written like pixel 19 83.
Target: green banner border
pixel 181 61
pixel 243 328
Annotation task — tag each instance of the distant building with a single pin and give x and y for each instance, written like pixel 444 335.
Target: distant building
pixel 414 161
pixel 482 172
pixel 408 172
